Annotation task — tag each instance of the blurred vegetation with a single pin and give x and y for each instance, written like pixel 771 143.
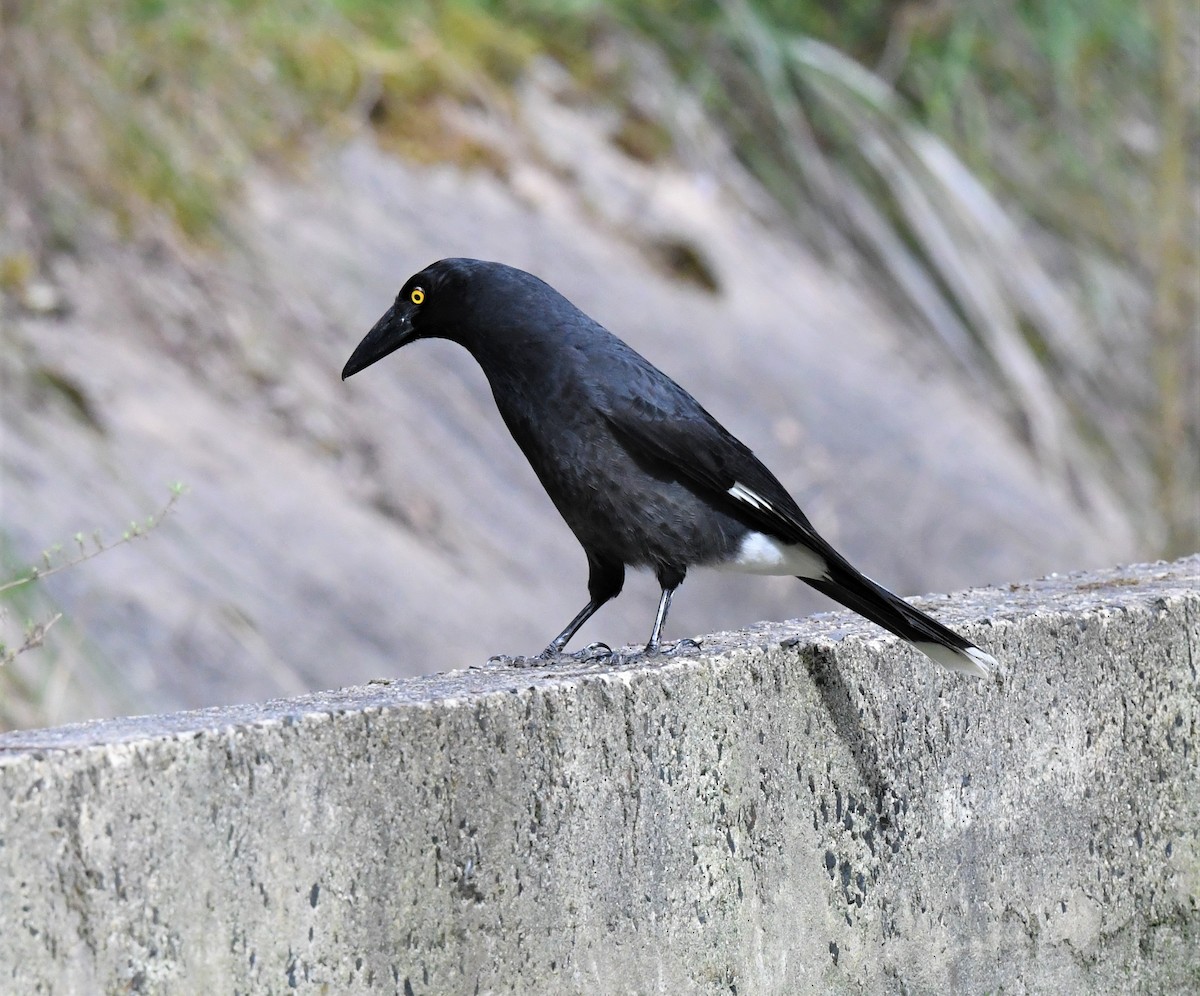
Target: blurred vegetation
pixel 165 103
pixel 39 692
pixel 1020 174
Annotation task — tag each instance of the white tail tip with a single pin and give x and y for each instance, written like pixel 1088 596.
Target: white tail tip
pixel 971 660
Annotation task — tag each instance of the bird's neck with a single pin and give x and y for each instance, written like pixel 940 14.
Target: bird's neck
pixel 514 358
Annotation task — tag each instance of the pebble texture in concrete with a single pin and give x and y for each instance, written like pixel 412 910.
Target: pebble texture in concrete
pixel 797 808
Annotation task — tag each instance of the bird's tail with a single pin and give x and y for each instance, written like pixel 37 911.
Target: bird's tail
pixel 844 584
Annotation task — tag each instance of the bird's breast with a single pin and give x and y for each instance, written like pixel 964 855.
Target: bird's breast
pixel 618 506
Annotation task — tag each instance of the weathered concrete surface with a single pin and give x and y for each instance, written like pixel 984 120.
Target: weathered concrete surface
pixel 783 813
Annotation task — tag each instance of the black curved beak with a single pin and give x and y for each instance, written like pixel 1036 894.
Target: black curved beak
pixel 392 331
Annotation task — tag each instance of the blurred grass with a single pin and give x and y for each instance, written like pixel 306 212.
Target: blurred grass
pixel 1020 173
pixel 145 102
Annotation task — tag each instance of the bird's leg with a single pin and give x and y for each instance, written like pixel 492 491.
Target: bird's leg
pixel 556 645
pixel 605 579
pixel 655 645
pixel 664 606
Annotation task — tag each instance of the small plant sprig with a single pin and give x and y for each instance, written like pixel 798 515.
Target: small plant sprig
pixel 35 635
pixel 87 547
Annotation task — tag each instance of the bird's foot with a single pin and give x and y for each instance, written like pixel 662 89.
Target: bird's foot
pixel 553 655
pixel 594 652
pixel 544 659
pixel 499 660
pixel 679 649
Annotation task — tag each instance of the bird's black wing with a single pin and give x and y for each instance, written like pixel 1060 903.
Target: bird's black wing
pixel 658 421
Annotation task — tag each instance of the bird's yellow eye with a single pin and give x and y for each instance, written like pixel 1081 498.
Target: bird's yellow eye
pixel 416 295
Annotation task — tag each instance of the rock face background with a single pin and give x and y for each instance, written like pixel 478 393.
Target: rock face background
pixel 334 532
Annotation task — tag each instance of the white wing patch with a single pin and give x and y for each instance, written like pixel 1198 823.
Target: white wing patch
pixel 743 493
pixel 763 554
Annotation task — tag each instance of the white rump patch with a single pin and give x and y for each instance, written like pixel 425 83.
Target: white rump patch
pixel 762 554
pixel 972 660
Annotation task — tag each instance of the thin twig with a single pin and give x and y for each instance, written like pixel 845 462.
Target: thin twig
pixel 135 531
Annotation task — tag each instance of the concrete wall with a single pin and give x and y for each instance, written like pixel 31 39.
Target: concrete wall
pixel 797 808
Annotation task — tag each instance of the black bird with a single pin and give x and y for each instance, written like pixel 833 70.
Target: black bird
pixel 643 475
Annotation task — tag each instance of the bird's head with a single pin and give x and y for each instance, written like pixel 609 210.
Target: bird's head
pixel 413 315
pixel 454 299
